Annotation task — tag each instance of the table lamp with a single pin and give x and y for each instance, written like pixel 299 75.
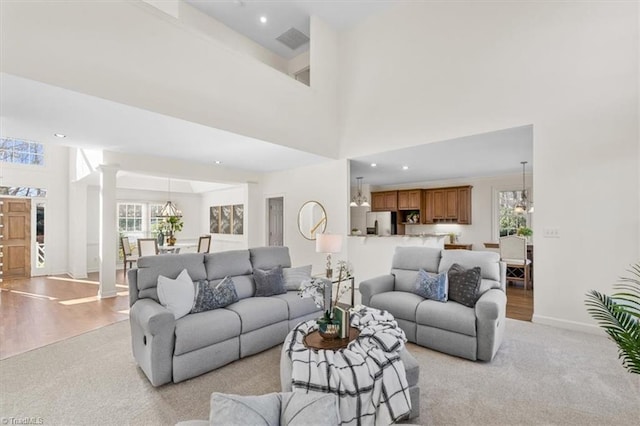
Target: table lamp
pixel 328 243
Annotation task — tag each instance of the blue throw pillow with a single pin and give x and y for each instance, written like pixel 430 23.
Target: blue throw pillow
pixel 269 282
pixel 209 296
pixel 432 286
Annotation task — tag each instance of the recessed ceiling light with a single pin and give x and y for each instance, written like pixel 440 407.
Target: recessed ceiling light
pixel 59 135
pixel 263 19
pixel 373 164
pixel 405 167
pixel 218 162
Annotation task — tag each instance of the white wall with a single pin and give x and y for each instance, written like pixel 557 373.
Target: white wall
pixel 326 183
pixel 224 197
pixel 53 177
pixel 569 68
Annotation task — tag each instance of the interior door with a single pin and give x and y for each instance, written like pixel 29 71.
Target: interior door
pixel 276 221
pixel 16 237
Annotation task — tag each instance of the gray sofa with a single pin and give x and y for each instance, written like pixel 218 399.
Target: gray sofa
pixel 167 349
pixel 450 327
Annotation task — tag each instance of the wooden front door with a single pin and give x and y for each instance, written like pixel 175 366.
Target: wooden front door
pixel 16 237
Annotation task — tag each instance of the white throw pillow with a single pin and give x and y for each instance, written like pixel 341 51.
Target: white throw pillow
pixel 293 277
pixel 176 295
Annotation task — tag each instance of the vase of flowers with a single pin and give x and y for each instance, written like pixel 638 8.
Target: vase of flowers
pixel 315 288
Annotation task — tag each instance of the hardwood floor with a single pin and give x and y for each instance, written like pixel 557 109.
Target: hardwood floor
pixel 42 310
pixel 519 303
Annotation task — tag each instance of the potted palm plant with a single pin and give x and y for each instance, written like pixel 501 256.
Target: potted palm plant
pixel 619 316
pixel 173 224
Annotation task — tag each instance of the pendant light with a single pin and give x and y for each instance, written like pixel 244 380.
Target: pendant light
pixel 169 209
pixel 521 206
pixel 359 200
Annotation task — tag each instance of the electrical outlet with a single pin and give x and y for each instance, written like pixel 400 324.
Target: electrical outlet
pixel 551 232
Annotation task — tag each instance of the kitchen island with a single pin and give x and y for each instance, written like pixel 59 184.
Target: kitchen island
pixel 371 255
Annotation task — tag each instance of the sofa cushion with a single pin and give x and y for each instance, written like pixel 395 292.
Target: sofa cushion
pixel 464 284
pixel 450 316
pixel 176 295
pixel 405 280
pixel 227 264
pixel 168 265
pixel 268 257
pixel 416 258
pixel 209 296
pixel 258 312
pixel 269 282
pixel 298 306
pixel 196 331
pixel 488 261
pixel 236 410
pixel 293 277
pixel 400 304
pixel 432 286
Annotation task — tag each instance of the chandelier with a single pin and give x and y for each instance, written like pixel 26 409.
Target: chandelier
pixel 359 200
pixel 169 209
pixel 521 205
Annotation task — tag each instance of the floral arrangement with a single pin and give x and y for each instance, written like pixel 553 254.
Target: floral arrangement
pixel 314 288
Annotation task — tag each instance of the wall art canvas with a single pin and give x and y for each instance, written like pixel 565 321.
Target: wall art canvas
pixel 225 219
pixel 238 219
pixel 214 220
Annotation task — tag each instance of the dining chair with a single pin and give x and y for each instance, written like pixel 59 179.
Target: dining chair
pixel 147 246
pixel 127 255
pixel 204 244
pixel 513 251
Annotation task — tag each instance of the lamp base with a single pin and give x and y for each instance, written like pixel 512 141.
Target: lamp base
pixel 329 272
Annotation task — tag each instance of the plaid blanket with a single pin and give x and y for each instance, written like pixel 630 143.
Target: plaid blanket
pixel 368 376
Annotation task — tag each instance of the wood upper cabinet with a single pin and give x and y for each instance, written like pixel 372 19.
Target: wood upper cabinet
pixel 464 205
pixel 446 205
pixel 410 199
pixel 384 201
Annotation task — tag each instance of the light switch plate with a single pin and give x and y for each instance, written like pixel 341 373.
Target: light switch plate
pixel 551 232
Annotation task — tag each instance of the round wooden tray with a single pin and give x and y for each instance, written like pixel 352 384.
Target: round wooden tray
pixel 314 341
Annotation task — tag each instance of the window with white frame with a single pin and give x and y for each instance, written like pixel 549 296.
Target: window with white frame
pixel 155 221
pixel 508 221
pixel 130 218
pixel 21 152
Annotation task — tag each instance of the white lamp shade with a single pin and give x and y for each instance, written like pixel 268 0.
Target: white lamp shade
pixel 328 243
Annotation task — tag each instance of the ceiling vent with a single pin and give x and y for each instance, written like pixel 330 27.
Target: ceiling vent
pixel 293 38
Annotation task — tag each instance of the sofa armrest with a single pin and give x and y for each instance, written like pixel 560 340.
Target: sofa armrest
pixel 152 317
pixel 491 305
pixel 132 279
pixel 374 286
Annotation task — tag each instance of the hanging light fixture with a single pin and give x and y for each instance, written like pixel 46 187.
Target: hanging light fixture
pixel 521 206
pixel 169 209
pixel 359 200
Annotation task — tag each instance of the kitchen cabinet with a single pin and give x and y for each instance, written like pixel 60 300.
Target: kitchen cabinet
pixel 384 201
pixel 446 205
pixel 409 199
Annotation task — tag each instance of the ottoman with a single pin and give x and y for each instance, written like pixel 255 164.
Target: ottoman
pixel 411 366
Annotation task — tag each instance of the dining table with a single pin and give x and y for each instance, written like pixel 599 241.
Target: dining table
pixel 177 248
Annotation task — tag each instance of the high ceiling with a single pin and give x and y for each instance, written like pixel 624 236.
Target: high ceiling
pixel 244 16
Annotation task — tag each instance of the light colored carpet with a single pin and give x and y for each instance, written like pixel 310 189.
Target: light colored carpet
pixel 541 375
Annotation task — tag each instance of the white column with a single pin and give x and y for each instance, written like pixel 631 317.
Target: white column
pixel 108 231
pixel 78 230
pixel 254 215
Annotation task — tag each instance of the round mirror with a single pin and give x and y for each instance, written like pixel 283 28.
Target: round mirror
pixel 312 219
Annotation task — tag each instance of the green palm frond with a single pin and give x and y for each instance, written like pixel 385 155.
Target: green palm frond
pixel 619 316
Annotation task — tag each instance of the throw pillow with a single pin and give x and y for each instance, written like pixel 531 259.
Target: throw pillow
pixel 231 410
pixel 432 286
pixel 464 284
pixel 301 409
pixel 209 296
pixel 293 277
pixel 269 282
pixel 176 295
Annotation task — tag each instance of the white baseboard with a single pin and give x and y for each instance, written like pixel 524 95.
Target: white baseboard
pixel 568 325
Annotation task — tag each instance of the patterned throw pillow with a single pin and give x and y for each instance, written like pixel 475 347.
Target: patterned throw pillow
pixel 269 282
pixel 464 284
pixel 432 286
pixel 293 277
pixel 210 297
